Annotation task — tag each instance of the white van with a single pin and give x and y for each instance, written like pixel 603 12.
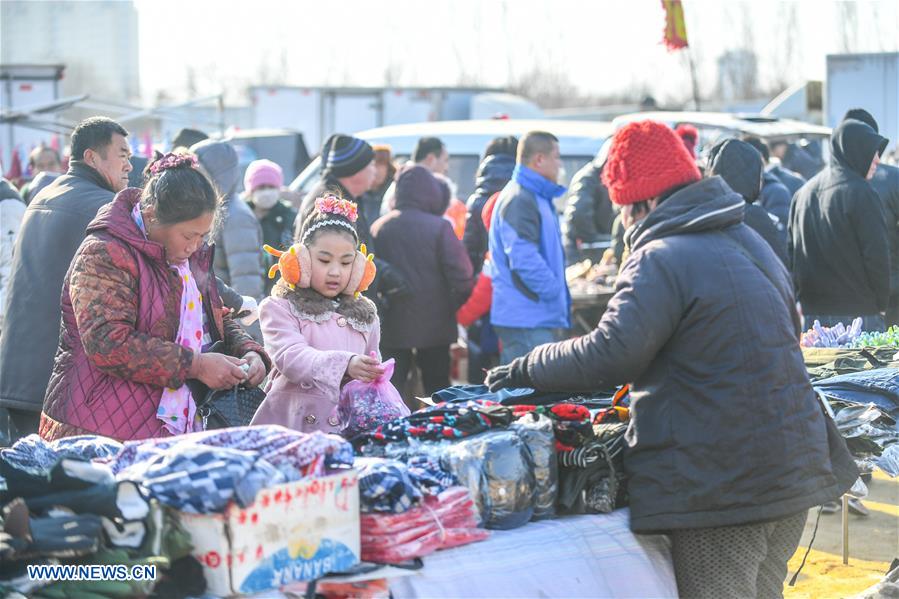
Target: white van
pixel 579 141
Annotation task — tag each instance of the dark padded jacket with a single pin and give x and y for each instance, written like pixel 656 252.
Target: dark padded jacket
pixel 493 174
pixel 838 237
pixel 791 180
pixel 725 428
pixel 416 239
pixel 588 211
pixel 53 228
pixel 741 167
pixel 776 198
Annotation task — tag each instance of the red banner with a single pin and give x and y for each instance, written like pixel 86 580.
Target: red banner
pixel 675 26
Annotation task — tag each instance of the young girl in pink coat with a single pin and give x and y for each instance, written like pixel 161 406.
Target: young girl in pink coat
pixel 319 331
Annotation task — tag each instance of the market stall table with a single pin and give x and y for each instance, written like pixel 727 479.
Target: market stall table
pixel 577 556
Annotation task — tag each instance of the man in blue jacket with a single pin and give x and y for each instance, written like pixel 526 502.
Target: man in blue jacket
pixel 530 295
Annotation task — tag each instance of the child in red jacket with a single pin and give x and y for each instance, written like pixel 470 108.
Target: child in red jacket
pixel 478 303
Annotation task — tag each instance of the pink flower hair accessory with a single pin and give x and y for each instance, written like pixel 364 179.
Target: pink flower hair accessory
pixel 172 160
pixel 331 204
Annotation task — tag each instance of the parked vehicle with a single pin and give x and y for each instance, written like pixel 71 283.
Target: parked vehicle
pixel 579 141
pixel 714 126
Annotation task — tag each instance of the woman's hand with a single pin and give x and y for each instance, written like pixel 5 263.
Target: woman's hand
pixel 218 371
pixel 364 368
pixel 256 373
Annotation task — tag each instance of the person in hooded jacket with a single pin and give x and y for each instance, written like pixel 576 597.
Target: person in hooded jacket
pixel 838 241
pixel 493 173
pixel 727 443
pixel 416 239
pixel 775 196
pixel 740 165
pixel 52 230
pixel 589 213
pixel 238 239
pixel 140 310
pixel 886 183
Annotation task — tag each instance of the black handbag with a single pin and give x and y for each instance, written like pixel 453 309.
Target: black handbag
pixel 224 408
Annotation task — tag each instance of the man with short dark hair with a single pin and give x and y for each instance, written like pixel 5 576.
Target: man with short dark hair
pixel 429 152
pixel 530 295
pixel 45 165
pixel 51 232
pixel 886 183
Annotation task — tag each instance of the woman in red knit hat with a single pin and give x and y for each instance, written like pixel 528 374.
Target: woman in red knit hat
pixel 728 447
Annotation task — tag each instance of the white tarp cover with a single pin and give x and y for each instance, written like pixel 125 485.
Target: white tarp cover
pixel 576 556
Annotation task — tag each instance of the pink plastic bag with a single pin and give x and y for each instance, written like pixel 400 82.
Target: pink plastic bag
pixel 364 406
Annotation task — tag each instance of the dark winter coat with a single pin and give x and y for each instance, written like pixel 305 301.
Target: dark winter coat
pixel 51 232
pixel 776 198
pixel 121 306
pixel 725 428
pixel 589 213
pixel 416 239
pixel 886 184
pixel 791 180
pixel 493 174
pixel 741 167
pixel 839 240
pixel 277 231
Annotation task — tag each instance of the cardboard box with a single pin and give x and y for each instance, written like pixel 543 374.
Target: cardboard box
pixel 292 532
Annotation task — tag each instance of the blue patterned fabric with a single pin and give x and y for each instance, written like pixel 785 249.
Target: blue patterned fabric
pixel 201 479
pixel 385 486
pixel 37 457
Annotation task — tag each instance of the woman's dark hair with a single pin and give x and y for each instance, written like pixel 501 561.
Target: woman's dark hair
pixel 347 227
pixel 177 190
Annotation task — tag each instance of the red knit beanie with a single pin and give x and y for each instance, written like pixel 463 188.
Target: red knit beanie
pixel 647 158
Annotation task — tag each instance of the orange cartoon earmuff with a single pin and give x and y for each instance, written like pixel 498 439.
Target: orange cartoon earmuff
pixel 295 266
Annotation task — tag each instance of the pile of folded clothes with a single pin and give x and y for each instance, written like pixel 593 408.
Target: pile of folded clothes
pixel 48 488
pixel 410 511
pixel 119 503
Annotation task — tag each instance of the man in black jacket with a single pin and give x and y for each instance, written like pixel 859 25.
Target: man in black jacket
pixel 727 445
pixel 589 213
pixel 493 173
pixel 51 232
pixel 886 183
pixel 838 237
pixel 740 165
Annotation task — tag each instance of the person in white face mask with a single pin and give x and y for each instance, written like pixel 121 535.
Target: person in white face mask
pixel 262 184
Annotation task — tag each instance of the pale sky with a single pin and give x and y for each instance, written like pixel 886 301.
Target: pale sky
pixel 604 46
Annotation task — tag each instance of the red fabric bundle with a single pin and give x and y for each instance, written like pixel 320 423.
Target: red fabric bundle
pixel 442 521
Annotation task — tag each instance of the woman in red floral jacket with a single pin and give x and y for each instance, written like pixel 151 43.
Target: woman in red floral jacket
pixel 140 305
